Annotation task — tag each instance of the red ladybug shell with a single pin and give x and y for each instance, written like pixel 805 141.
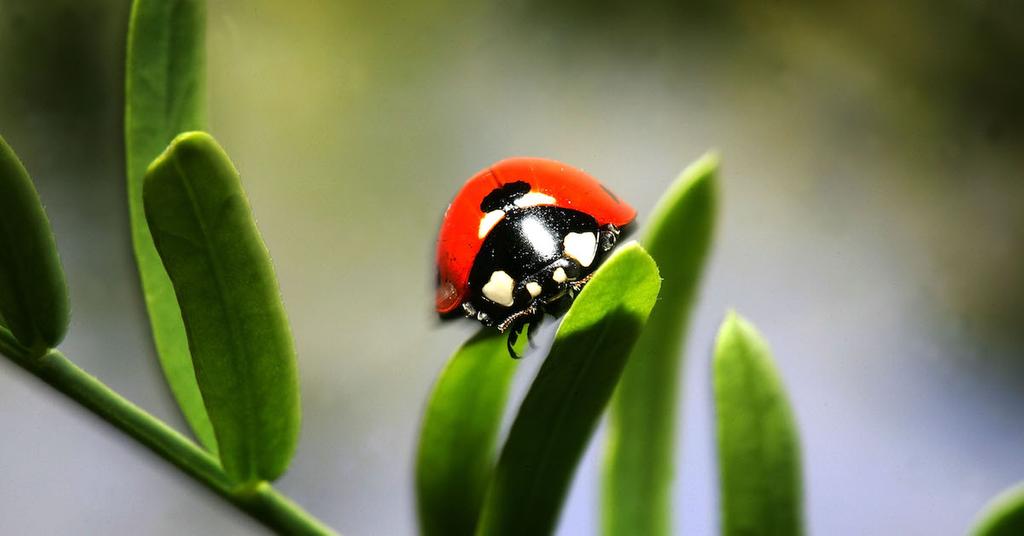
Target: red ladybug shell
pixel 459 240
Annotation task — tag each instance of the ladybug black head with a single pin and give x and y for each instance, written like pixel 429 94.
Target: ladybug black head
pixel 505 196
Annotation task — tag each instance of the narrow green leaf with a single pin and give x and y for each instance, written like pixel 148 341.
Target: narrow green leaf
pixel 238 334
pixel 639 469
pixel 758 447
pixel 460 432
pixel 33 294
pixel 164 96
pixel 571 390
pixel 1004 516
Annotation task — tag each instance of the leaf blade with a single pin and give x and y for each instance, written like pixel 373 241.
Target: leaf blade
pixel 237 330
pixel 758 446
pixel 459 435
pixel 33 292
pixel 164 84
pixel 638 463
pixel 566 399
pixel 1003 516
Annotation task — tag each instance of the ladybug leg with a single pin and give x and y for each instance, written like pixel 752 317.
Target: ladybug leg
pixel 576 286
pixel 517 327
pixel 527 318
pixel 513 336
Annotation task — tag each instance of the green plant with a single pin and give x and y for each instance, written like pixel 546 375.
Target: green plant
pixel 569 394
pixel 249 491
pixel 758 448
pixel 218 322
pixel 1003 516
pixel 464 487
pixel 164 96
pixel 638 464
pixel 237 332
pixel 226 350
pixel 34 305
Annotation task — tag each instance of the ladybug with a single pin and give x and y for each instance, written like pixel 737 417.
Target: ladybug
pixel 522 238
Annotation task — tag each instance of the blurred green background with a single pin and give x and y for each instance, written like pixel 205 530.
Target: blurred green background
pixel 873 227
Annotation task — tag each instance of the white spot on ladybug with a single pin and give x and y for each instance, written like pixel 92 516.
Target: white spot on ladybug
pixel 533 199
pixel 533 288
pixel 581 246
pixel 499 288
pixel 559 275
pixel 489 221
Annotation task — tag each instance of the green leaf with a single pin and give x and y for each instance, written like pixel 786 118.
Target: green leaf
pixel 1004 516
pixel 460 432
pixel 758 448
pixel 571 390
pixel 33 293
pixel 237 330
pixel 164 96
pixel 639 469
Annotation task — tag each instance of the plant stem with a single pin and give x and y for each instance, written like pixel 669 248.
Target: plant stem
pixel 261 501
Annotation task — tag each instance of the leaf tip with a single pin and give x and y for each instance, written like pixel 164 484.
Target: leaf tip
pixel 634 248
pixel 705 167
pixel 711 158
pixel 190 145
pixel 731 324
pixel 1002 515
pixel 736 332
pixel 33 288
pixel 687 208
pixel 642 261
pixel 631 248
pixel 195 140
pixel 702 170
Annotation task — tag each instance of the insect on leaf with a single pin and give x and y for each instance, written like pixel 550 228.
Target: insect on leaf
pixel 572 389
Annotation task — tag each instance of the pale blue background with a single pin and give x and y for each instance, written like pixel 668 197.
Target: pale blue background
pixel 872 225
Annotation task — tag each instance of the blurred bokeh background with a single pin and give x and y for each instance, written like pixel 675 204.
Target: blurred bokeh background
pixel 872 226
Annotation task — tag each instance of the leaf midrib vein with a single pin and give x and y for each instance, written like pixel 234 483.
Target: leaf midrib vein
pixel 236 344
